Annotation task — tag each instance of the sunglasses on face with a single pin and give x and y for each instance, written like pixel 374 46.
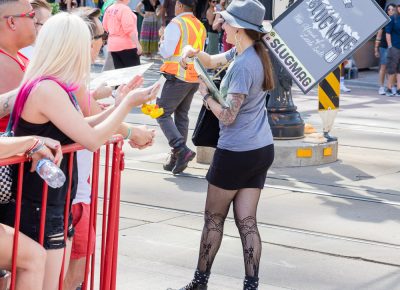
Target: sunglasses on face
pixel 30 14
pixel 103 36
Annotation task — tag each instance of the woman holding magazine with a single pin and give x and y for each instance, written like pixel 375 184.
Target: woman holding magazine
pixel 245 149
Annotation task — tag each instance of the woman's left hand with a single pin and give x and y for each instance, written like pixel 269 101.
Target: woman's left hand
pixel 102 91
pixel 142 137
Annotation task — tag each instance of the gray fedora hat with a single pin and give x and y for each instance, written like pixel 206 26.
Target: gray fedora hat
pixel 247 14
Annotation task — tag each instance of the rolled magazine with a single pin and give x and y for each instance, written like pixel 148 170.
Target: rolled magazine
pixel 204 76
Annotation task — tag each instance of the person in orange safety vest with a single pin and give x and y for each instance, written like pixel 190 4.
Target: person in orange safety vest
pixel 181 83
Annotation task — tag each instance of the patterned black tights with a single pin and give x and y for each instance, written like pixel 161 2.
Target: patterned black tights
pixel 245 203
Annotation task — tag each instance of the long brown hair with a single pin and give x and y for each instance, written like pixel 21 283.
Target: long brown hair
pixel 268 83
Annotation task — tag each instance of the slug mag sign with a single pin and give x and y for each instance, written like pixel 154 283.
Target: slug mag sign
pixel 313 37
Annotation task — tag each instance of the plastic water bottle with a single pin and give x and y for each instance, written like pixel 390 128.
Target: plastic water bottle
pixel 50 173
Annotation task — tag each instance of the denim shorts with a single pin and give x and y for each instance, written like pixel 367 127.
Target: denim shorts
pixel 382 55
pixel 30 223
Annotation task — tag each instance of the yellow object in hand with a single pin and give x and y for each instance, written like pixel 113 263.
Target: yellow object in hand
pixel 147 108
pixel 156 113
pixel 153 110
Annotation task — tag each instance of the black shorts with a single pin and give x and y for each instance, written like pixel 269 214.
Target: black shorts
pixel 30 223
pixel 235 170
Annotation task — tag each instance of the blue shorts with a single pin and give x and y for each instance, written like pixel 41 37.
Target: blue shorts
pixel 382 55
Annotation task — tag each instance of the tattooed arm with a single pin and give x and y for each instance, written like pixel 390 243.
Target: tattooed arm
pixel 7 103
pixel 209 61
pixel 227 115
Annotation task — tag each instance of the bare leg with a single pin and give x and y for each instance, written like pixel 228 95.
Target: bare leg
pixel 30 260
pixel 398 81
pixel 391 79
pixel 75 274
pixel 54 262
pixel 382 73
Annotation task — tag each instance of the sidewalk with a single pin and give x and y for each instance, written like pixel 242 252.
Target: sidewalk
pixel 367 78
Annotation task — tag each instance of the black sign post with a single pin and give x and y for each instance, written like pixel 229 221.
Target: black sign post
pixel 286 123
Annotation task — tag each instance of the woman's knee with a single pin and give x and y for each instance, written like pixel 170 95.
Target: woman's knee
pixel 34 259
pixel 246 225
pixel 214 221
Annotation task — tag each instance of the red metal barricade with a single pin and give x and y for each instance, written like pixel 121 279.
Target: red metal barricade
pixel 110 221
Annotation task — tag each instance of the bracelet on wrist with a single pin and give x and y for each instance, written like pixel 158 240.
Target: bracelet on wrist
pixel 38 146
pixel 35 142
pixel 205 98
pixel 128 136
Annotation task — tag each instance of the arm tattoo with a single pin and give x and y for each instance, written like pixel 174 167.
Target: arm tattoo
pixel 228 115
pixel 6 106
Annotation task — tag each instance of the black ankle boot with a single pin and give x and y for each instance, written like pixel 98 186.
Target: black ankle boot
pixel 250 283
pixel 194 286
pixel 199 281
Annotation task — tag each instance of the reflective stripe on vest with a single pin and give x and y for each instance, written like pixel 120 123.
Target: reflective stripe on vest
pixel 195 37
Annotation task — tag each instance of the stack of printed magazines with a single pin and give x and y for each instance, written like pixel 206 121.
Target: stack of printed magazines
pixel 205 77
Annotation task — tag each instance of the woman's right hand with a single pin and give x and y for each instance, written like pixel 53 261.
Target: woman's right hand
pixel 187 52
pixel 141 96
pixel 123 90
pixel 377 53
pixel 51 149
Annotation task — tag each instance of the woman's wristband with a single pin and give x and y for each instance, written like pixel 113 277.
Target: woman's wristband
pixel 37 147
pixel 35 142
pixel 128 136
pixel 205 98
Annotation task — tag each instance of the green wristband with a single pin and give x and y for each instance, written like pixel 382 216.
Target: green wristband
pixel 129 134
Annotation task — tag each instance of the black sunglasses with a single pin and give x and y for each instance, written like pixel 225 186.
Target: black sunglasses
pixel 103 36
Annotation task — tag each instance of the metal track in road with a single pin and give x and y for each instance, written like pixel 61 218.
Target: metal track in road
pixel 337 127
pixel 294 230
pixel 291 188
pixel 287 229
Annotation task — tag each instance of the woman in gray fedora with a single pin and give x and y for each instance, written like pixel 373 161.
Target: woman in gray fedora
pixel 245 149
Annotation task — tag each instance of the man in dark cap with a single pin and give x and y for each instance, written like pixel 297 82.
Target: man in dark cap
pixel 181 83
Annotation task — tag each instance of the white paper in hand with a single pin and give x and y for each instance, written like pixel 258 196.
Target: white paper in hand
pixel 118 77
pixel 161 81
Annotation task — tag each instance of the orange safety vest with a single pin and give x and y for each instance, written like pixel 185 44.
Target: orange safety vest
pixel 192 33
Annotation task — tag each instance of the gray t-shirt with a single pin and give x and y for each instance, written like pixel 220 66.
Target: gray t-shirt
pixel 250 130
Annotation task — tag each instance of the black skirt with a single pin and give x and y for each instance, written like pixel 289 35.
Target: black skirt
pixel 235 170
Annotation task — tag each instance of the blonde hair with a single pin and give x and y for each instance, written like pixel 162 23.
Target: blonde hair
pixel 62 51
pixel 37 4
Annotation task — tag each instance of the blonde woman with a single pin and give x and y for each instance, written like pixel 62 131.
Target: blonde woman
pixel 46 106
